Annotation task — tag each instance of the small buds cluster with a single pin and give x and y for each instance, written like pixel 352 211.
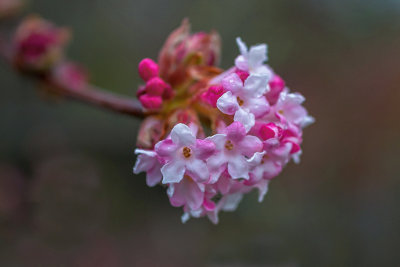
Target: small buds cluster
pixel 255 123
pixel 156 89
pixel 38 48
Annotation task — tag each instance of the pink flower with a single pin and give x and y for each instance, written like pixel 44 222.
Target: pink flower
pixel 147 161
pixel 245 101
pixel 289 109
pixel 233 148
pixel 184 154
pixel 186 192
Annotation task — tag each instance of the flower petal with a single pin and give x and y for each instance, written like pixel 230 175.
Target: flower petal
pixel 238 167
pixel 227 103
pixel 204 149
pixel 198 170
pixel 154 176
pixel 145 161
pixel 231 201
pixel 173 172
pixel 235 132
pixel 256 85
pixel 232 83
pixel 242 46
pixel 249 145
pixel 182 135
pixel 166 148
pixel 257 55
pixel 216 165
pixel 218 140
pixel 258 106
pixel 246 118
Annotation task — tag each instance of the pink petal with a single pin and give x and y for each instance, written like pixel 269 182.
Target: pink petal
pixel 249 145
pixel 166 148
pixel 204 149
pixel 216 165
pixel 235 132
pixel 258 106
pixel 154 176
pixel 145 161
pixel 233 83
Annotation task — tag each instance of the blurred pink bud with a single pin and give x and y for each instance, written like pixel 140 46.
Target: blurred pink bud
pixel 151 102
pixel 155 86
pixel 242 74
pixel 182 50
pixel 38 45
pixel 148 69
pixel 71 75
pixel 10 7
pixel 277 85
pixel 212 94
pixel 150 132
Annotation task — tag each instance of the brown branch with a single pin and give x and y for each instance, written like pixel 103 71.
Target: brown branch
pixel 90 94
pixel 101 98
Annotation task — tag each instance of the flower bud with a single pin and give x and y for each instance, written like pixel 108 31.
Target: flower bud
pixel 155 86
pixel 150 102
pixel 148 69
pixel 212 95
pixel 277 85
pixel 38 45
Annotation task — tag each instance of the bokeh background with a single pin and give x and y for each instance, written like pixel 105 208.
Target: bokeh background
pixel 67 193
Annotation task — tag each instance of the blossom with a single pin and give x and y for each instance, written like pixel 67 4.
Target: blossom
pixel 184 153
pixel 214 136
pixel 252 60
pixel 289 108
pixel 148 162
pixel 244 100
pixel 233 148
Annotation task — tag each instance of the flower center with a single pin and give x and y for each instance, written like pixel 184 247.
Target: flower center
pixel 265 157
pixel 228 145
pixel 187 152
pixel 280 111
pixel 240 101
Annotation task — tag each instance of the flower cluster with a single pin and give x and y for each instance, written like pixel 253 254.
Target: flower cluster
pixel 255 126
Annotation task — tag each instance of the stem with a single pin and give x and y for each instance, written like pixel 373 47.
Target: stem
pixel 101 98
pixel 90 95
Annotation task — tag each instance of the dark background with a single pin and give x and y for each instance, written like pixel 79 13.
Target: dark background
pixel 67 193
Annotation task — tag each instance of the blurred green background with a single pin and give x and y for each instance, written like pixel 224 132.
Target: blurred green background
pixel 67 193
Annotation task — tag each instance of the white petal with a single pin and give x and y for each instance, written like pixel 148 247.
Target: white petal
pixel 256 159
pixel 242 46
pixel 218 140
pixel 198 170
pixel 262 189
pixel 173 172
pixel 256 85
pixel 232 83
pixel 257 55
pixel 238 167
pixel 241 63
pixel 258 106
pixel 145 161
pixel 232 201
pixel 181 134
pixel 227 103
pixel 245 118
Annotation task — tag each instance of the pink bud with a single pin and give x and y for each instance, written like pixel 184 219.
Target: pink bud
pixel 295 148
pixel 212 95
pixel 150 102
pixel 242 74
pixel 277 85
pixel 155 86
pixel 148 69
pixel 270 130
pixel 168 92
